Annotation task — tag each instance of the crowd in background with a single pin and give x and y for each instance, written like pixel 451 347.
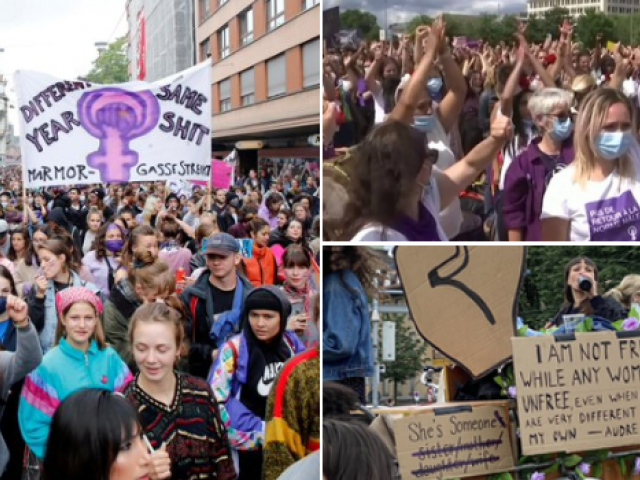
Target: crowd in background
pixel 430 139
pixel 198 307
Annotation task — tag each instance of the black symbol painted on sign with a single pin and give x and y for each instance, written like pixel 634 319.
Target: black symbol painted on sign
pixel 438 280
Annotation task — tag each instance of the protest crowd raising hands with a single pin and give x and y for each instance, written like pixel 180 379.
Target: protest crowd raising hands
pixel 158 332
pixel 431 138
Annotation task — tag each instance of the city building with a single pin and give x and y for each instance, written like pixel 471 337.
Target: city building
pixel 578 7
pixel 5 133
pixel 266 77
pixel 161 38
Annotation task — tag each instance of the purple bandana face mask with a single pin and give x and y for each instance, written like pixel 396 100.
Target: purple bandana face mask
pixel 114 245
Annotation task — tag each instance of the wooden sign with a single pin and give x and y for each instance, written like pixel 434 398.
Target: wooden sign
pixel 462 440
pixel 581 394
pixel 463 300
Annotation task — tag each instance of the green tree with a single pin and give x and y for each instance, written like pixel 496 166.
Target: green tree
pixel 552 19
pixel 365 22
pixel 543 291
pixel 537 30
pixel 410 350
pixel 416 21
pixel 112 65
pixel 591 24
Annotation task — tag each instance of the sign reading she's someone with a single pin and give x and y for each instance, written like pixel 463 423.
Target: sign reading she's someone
pixel 462 440
pixel 580 394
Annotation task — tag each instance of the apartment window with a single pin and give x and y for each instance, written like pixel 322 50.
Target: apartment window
pixel 246 27
pixel 275 13
pixel 311 63
pixel 225 95
pixel 204 9
pixel 247 87
pixel 205 49
pixel 307 4
pixel 276 76
pixel 223 41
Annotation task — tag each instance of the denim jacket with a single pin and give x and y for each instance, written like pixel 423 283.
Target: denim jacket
pixel 346 337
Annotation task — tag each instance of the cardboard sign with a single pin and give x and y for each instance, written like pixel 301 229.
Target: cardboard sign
pixel 454 442
pixel 581 394
pixel 463 300
pixel 80 133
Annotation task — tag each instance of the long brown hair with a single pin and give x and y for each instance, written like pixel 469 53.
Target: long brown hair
pixel 98 334
pixel 585 306
pixel 127 251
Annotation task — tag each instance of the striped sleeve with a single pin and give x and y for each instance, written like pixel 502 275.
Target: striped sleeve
pixel 38 403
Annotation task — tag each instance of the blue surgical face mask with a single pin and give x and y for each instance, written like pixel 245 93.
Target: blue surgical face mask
pixel 613 145
pixel 434 85
pixel 424 123
pixel 561 129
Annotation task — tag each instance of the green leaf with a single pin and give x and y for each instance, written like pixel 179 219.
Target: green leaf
pixel 572 460
pixel 522 331
pixel 601 454
pixel 623 466
pixel 634 311
pixel 618 325
pixel 552 469
pixel 524 460
pixel 588 324
pixel 579 473
pixel 499 381
pixel 596 470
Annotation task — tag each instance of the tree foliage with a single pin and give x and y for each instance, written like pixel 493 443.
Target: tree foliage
pixel 493 29
pixel 410 353
pixel 365 22
pixel 542 293
pixel 112 65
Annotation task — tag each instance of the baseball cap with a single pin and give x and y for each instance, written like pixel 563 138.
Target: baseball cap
pixel 222 244
pixel 98 192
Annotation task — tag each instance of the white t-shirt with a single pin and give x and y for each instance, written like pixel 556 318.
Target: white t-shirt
pixel 603 211
pixel 430 199
pixel 378 105
pixel 451 217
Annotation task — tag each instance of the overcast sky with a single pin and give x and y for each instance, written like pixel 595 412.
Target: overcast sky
pixel 403 10
pixel 56 36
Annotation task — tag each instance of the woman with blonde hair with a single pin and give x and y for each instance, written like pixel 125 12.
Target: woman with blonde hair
pixel 627 292
pixel 596 197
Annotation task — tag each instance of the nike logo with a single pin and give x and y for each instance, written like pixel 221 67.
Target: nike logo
pixel 269 375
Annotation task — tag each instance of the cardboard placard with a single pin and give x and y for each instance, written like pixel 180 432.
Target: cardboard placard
pixel 580 394
pixel 462 440
pixel 221 174
pixel 463 300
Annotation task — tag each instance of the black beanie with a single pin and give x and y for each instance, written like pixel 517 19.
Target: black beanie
pixel 262 299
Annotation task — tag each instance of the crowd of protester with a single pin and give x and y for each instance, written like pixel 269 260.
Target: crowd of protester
pixel 428 139
pixel 149 334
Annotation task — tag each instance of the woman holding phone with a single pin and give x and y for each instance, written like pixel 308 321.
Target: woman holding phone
pixel 299 289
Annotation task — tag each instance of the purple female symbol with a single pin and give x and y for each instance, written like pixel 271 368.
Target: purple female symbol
pixel 116 117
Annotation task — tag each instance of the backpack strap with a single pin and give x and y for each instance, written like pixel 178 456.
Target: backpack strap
pixel 193 305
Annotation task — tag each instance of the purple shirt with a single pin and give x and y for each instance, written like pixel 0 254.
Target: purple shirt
pixel 525 184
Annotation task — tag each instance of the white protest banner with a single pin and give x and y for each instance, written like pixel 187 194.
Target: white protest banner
pixel 461 440
pixel 76 132
pixel 577 394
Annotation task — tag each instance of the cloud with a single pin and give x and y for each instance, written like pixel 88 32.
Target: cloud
pixel 56 37
pixel 405 11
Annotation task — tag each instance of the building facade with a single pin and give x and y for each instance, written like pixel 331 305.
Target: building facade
pixel 578 7
pixel 161 38
pixel 266 57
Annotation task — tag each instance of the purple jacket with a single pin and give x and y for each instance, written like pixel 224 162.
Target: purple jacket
pixel 524 187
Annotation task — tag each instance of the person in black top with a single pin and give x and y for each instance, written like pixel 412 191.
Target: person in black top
pixel 214 302
pixel 588 302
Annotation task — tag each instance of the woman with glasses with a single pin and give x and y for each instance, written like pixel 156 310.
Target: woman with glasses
pixel 529 174
pixel 597 197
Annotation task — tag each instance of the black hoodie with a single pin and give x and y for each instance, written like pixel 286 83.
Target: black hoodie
pixel 265 360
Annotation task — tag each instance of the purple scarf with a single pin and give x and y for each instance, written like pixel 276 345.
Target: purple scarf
pixel 424 230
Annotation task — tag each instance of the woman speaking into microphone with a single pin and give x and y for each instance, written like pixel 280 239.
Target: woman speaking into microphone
pixel 581 294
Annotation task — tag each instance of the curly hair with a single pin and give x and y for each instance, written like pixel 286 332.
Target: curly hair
pixel 383 174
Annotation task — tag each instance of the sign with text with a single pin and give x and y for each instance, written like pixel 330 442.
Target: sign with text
pixel 580 394
pixel 463 300
pixel 77 132
pixel 454 442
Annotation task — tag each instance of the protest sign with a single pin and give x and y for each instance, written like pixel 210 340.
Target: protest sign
pixel 462 440
pixel 463 300
pixel 221 174
pixel 581 394
pixel 80 133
